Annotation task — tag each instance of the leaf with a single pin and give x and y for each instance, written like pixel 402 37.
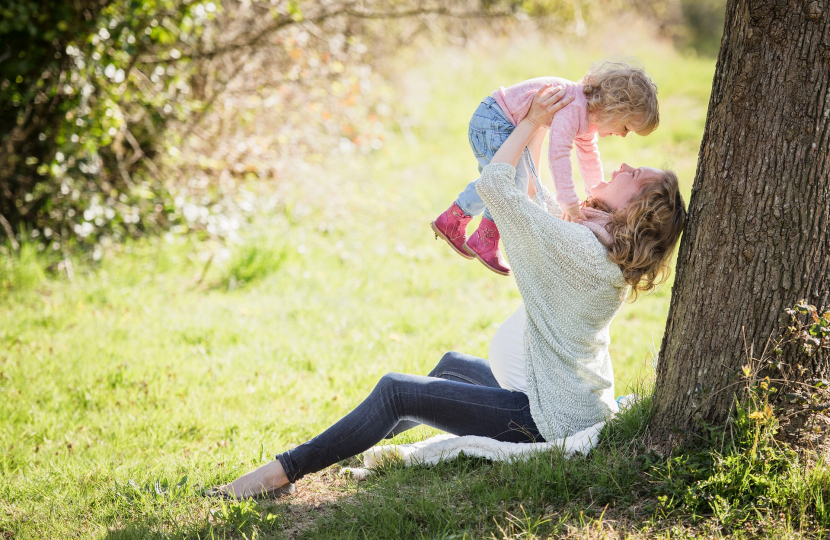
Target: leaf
pixel 294 11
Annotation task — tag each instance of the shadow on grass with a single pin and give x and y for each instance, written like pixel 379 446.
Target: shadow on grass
pixel 186 516
pixel 464 498
pixel 619 490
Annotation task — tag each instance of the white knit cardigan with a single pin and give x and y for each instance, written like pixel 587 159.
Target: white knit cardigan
pixel 571 292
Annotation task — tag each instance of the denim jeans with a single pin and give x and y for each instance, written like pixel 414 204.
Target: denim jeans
pixel 460 396
pixel 489 128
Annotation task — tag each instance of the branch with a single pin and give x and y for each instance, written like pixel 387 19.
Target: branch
pixel 216 93
pixel 285 20
pixel 9 232
pixel 282 22
pixel 446 12
pixel 138 153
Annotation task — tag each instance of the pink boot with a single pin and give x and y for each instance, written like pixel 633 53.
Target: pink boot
pixel 452 227
pixel 484 245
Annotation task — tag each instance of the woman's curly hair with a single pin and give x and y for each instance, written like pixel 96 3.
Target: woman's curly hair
pixel 646 231
pixel 618 92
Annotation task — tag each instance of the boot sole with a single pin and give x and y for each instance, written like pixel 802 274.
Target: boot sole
pixel 439 234
pixel 487 266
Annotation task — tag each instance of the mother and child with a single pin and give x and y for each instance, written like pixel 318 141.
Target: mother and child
pixel 549 374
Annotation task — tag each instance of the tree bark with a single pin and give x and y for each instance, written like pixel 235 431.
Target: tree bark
pixel 757 237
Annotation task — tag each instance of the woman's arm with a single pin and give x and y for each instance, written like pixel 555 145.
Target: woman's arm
pixel 544 106
pixel 535 147
pixel 543 246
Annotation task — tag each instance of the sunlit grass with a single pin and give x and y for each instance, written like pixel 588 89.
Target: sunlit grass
pixel 172 365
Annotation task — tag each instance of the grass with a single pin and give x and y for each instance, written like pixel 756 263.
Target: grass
pixel 173 364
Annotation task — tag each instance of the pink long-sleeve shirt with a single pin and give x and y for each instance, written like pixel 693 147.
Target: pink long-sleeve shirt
pixel 570 127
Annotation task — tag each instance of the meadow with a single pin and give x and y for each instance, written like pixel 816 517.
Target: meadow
pixel 130 383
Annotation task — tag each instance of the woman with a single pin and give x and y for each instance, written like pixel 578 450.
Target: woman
pixel 550 373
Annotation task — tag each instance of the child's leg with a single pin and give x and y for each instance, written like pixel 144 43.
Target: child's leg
pixel 484 243
pixel 468 199
pixel 523 173
pixel 489 128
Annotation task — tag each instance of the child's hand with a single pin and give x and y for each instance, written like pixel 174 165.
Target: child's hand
pixel 546 102
pixel 574 215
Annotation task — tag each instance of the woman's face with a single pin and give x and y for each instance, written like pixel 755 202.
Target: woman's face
pixel 625 184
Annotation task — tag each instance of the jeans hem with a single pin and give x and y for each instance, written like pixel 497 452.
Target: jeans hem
pixel 466 211
pixel 286 466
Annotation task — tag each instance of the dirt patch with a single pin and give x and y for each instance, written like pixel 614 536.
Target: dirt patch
pixel 317 495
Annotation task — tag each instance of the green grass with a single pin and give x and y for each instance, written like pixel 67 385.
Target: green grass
pixel 172 365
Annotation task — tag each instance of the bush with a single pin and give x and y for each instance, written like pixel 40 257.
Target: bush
pixel 251 262
pixel 84 95
pixel 23 270
pixel 119 118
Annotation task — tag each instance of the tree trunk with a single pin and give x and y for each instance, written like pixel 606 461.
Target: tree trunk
pixel 757 237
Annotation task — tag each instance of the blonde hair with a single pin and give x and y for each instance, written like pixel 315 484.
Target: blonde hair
pixel 618 92
pixel 645 232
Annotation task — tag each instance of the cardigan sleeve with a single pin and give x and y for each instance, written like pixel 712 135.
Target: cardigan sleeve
pixel 550 199
pixel 537 242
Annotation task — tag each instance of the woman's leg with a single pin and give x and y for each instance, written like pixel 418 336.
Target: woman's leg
pixel 455 366
pixel 504 415
pixel 456 407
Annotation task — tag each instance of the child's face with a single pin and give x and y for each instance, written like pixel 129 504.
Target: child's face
pixel 625 184
pixel 613 127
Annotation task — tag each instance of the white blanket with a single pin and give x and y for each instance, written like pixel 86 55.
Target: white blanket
pixel 447 447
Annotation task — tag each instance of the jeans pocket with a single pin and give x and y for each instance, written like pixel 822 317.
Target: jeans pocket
pixel 478 142
pixel 497 139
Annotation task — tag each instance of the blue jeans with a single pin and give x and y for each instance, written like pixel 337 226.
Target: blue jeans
pixel 489 128
pixel 460 396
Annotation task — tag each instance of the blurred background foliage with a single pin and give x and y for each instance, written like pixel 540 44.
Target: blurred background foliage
pixel 193 353
pixel 120 118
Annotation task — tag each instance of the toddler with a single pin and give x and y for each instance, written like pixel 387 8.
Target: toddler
pixel 613 98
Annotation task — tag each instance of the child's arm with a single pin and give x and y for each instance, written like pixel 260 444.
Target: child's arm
pixel 563 132
pixel 590 165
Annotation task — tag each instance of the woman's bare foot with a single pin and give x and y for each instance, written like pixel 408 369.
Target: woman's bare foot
pixel 265 479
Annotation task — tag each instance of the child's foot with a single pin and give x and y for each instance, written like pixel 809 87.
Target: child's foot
pixel 452 227
pixel 484 246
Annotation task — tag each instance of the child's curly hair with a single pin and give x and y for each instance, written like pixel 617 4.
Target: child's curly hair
pixel 646 231
pixel 618 92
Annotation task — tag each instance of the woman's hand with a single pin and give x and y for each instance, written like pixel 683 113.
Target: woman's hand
pixel 546 102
